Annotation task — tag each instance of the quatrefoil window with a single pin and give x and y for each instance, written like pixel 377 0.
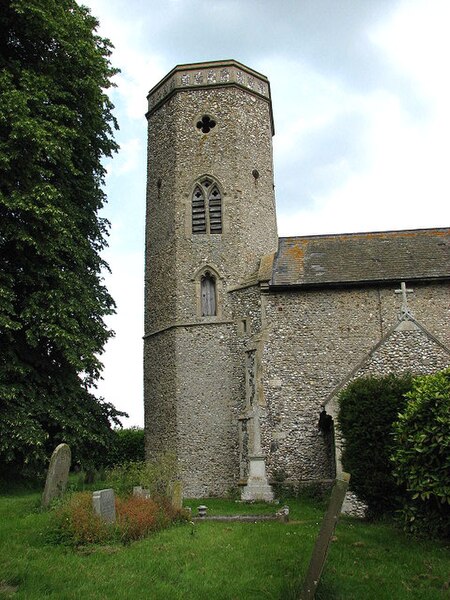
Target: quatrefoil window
pixel 206 124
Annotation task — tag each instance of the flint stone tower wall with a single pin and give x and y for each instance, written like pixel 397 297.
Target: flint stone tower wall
pixel 194 382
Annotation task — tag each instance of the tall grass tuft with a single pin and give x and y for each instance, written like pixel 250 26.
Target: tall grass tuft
pixel 77 522
pixel 157 476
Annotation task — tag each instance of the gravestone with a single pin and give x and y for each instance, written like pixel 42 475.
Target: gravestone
pixel 104 505
pixel 57 474
pixel 322 544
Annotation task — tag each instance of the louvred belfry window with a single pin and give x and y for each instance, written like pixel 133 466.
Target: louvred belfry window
pixel 198 211
pixel 206 208
pixel 215 211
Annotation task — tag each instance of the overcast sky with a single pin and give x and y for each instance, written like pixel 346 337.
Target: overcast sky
pixel 361 96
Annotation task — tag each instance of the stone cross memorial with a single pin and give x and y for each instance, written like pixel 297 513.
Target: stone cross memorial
pixel 104 505
pixel 57 474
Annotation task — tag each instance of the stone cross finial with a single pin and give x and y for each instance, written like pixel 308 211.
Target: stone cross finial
pixel 405 313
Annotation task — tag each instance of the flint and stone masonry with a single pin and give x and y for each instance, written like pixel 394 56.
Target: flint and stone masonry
pixel 249 337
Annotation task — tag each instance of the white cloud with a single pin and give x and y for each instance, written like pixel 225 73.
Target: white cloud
pixel 139 74
pixel 403 181
pixel 123 375
pixel 140 68
pixel 128 158
pixel 318 100
pixel 417 43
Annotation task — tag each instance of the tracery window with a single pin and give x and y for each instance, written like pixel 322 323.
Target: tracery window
pixel 208 295
pixel 206 208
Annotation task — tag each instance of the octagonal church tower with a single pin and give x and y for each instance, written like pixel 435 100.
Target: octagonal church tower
pixel 210 218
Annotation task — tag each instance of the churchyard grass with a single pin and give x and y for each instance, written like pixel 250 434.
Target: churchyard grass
pixel 216 560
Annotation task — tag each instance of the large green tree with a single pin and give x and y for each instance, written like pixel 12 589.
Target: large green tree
pixel 56 126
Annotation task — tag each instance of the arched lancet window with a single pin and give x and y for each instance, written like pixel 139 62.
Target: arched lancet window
pixel 215 210
pixel 208 295
pixel 206 208
pixel 198 211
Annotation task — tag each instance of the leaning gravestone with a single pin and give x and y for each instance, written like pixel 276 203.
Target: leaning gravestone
pixel 321 546
pixel 104 505
pixel 57 474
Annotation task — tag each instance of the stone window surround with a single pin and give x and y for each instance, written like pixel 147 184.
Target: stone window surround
pixel 188 227
pixel 208 284
pixel 197 279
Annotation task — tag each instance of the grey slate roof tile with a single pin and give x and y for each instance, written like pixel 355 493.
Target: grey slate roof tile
pixel 422 254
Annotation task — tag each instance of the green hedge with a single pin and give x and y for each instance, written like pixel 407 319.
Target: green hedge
pixel 368 408
pixel 128 446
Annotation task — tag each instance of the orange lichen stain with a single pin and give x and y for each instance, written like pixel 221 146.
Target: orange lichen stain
pixel 296 252
pixel 398 234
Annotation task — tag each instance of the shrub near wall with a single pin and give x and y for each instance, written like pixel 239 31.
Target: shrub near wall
pixel 421 458
pixel 129 445
pixel 368 408
pixel 157 476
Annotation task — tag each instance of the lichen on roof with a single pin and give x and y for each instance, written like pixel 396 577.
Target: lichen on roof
pixel 421 254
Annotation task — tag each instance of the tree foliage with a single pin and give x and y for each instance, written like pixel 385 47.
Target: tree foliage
pixel 421 457
pixel 368 408
pixel 56 125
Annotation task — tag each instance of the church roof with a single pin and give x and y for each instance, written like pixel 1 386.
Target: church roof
pixel 351 258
